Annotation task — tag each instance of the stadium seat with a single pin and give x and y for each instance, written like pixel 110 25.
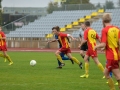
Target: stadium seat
pixel 81 20
pixel 75 23
pixel 94 14
pixel 88 17
pixel 101 11
pixel 69 26
pixel 62 29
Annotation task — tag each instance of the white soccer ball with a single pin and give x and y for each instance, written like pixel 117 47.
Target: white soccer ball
pixel 32 62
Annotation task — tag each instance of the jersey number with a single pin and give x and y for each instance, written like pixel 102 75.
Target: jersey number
pixel 93 36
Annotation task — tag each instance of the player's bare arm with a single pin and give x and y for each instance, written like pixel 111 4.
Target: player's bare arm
pixel 52 41
pixel 101 45
pixel 83 41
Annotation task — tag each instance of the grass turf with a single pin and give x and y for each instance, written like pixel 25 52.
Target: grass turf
pixel 45 76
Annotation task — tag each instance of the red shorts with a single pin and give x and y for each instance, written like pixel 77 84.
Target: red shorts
pixel 65 50
pixel 3 48
pixel 112 64
pixel 91 53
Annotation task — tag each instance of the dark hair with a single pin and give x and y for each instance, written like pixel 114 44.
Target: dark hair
pixel 87 23
pixel 56 27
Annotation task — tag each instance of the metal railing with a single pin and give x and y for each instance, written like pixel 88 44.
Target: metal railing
pixel 19 23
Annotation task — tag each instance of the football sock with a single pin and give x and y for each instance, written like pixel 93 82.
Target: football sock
pixel 75 60
pixel 100 66
pixel 8 58
pixel 59 63
pixel 110 74
pixel 111 84
pixel 59 58
pixel 1 55
pixel 65 58
pixel 118 83
pixel 86 68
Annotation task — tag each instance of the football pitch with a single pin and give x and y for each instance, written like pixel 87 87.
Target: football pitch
pixel 45 76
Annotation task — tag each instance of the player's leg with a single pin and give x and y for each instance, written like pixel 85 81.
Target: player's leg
pixel 65 57
pixel 74 59
pixel 119 69
pixel 82 50
pixel 116 71
pixel 82 54
pixel 59 64
pixel 1 55
pixel 57 53
pixel 109 79
pixel 100 66
pixel 7 57
pixel 86 75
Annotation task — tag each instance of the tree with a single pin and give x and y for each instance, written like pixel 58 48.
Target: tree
pixel 109 5
pixel 119 3
pixel 79 5
pixel 77 2
pixel 0 13
pixel 98 6
pixel 52 6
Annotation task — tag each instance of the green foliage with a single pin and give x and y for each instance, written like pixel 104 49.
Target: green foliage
pixel 98 6
pixel 45 76
pixel 52 6
pixel 77 2
pixel 0 13
pixel 119 3
pixel 109 5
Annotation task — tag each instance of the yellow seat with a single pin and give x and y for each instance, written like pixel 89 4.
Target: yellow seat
pixel 62 29
pixel 88 17
pixel 101 11
pixel 75 23
pixel 49 35
pixel 69 26
pixel 81 20
pixel 94 14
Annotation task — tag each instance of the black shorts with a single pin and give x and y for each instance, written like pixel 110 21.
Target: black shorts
pixel 84 47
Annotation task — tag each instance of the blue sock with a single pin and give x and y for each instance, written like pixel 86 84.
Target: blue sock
pixel 63 56
pixel 110 74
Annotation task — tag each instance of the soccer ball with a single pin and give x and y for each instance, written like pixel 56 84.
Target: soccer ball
pixel 32 62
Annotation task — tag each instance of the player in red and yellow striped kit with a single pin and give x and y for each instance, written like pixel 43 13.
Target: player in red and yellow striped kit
pixel 90 37
pixel 3 47
pixel 62 37
pixel 111 41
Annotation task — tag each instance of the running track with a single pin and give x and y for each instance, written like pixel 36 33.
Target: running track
pixel 39 50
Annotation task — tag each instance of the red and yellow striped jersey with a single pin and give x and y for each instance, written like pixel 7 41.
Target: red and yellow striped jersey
pixel 63 40
pixel 2 42
pixel 111 36
pixel 90 35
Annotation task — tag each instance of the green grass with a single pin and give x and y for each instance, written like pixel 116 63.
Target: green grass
pixel 45 76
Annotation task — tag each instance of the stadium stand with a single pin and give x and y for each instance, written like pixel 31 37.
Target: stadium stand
pixel 42 27
pixel 66 20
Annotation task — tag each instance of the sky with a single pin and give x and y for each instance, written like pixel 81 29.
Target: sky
pixel 35 3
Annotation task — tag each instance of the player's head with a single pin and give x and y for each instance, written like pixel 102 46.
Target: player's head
pixel 56 30
pixel 83 26
pixel 106 19
pixel 87 24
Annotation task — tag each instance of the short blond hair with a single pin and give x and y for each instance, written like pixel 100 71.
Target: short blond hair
pixel 106 18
